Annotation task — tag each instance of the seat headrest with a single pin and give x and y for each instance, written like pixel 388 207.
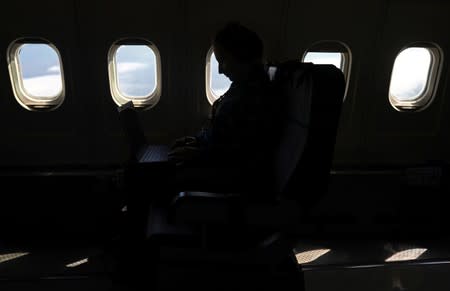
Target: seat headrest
pixel 291 79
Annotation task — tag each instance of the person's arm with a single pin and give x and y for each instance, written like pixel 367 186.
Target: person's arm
pixel 184 154
pixel 226 130
pixel 184 141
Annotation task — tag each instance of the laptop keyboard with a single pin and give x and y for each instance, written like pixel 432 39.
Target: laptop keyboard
pixel 155 153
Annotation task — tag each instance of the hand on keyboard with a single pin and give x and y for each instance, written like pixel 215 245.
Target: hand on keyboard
pixel 185 141
pixel 182 154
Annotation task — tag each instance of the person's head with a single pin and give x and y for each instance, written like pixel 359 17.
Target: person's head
pixel 237 49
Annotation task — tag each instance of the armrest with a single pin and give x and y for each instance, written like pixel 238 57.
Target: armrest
pixel 205 208
pixel 215 208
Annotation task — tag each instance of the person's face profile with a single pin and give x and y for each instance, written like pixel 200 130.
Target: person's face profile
pixel 222 60
pixel 219 57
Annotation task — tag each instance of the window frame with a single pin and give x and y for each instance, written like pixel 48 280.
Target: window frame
pixel 146 102
pixel 26 100
pixel 434 72
pixel 334 46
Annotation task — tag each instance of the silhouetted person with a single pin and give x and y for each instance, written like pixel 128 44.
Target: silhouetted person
pixel 232 152
pixel 238 136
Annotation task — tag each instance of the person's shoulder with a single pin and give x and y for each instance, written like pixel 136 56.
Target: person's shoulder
pixel 261 87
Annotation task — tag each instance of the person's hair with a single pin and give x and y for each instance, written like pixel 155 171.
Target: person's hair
pixel 242 43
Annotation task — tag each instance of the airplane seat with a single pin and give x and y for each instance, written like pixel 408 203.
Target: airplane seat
pixel 315 160
pixel 241 236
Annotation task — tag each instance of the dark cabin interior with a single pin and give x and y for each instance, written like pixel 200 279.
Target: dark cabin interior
pixel 65 172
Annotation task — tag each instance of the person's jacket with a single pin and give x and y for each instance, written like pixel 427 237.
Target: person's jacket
pixel 242 125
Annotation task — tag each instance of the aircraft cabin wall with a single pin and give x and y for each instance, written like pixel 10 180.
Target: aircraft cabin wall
pixel 85 129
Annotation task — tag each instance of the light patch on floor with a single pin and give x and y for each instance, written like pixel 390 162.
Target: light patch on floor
pixel 77 263
pixel 11 256
pixel 310 256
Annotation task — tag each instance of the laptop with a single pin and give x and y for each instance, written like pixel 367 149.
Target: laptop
pixel 141 150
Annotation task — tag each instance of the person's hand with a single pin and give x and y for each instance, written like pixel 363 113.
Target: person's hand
pixel 184 141
pixel 183 154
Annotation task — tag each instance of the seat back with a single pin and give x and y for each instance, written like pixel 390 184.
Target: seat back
pixel 310 117
pixel 133 130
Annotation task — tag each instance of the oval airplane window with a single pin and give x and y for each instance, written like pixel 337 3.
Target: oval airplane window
pixel 414 77
pixel 216 84
pixel 134 73
pixel 36 74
